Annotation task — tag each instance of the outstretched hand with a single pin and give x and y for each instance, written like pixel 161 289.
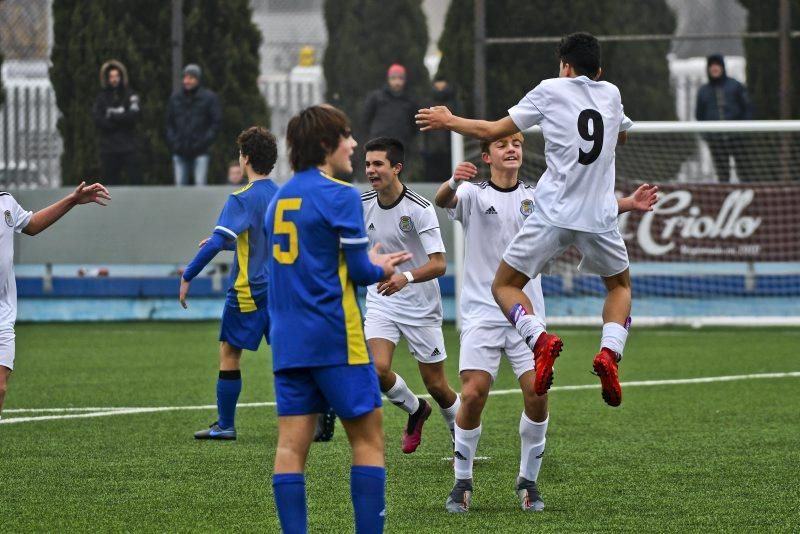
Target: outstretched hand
pixel 96 193
pixel 645 197
pixel 465 171
pixel 387 261
pixel 433 118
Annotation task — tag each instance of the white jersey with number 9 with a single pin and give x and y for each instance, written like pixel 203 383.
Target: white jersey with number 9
pixel 580 120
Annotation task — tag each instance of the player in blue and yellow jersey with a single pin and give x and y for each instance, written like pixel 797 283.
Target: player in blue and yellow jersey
pixel 240 228
pixel 318 254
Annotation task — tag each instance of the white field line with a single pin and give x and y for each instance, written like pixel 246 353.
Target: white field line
pixel 82 413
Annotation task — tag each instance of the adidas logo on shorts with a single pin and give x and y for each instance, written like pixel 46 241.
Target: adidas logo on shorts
pixel 371 226
pixel 436 352
pixel 491 211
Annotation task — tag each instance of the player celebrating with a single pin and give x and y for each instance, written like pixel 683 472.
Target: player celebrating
pixel 16 220
pixel 409 303
pixel 582 121
pixel 240 227
pixel 492 213
pixel 317 247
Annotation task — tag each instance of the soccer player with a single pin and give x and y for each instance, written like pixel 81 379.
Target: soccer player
pixel 582 121
pixel 409 304
pixel 492 213
pixel 16 220
pixel 240 227
pixel 317 247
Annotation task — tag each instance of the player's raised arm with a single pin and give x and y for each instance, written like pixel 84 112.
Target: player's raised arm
pixel 440 118
pixel 83 194
pixel 643 199
pixel 446 195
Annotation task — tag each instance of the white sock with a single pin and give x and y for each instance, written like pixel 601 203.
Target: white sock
pixel 466 445
pixel 402 397
pixel 449 414
pixel 532 437
pixel 614 337
pixel 530 327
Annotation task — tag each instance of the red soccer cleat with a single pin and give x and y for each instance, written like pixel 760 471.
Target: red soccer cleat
pixel 412 434
pixel 605 366
pixel 545 351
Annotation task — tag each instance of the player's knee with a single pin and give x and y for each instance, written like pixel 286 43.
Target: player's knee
pixel 473 399
pixel 385 378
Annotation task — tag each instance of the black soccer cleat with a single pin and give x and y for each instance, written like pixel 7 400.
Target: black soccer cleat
pixel 326 424
pixel 459 499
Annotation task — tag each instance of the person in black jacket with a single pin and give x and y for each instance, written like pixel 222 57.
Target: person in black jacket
pixel 724 99
pixel 389 112
pixel 436 144
pixel 116 112
pixel 193 121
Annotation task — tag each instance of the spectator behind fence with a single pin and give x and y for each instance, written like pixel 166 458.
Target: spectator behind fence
pixel 235 174
pixel 193 121
pixel 436 144
pixel 724 99
pixel 116 112
pixel 389 112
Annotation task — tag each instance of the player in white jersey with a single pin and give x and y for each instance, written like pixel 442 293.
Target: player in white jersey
pixel 409 304
pixel 16 220
pixel 492 213
pixel 582 120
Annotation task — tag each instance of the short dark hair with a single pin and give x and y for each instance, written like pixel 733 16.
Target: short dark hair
pixel 582 51
pixel 314 133
pixel 260 147
pixel 395 151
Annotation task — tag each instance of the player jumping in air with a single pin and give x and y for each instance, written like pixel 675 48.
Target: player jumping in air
pixel 240 227
pixel 409 304
pixel 582 121
pixel 317 248
pixel 16 220
pixel 492 213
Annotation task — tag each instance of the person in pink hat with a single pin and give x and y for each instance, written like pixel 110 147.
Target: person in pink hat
pixel 389 111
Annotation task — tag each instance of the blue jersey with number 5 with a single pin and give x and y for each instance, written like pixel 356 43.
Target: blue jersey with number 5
pixel 314 316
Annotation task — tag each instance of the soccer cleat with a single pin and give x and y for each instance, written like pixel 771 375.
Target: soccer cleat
pixel 412 434
pixel 528 493
pixel 215 432
pixel 605 366
pixel 326 424
pixel 459 499
pixel 545 351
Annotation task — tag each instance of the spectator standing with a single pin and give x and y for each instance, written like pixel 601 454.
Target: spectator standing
pixel 436 144
pixel 116 112
pixel 193 122
pixel 724 99
pixel 389 112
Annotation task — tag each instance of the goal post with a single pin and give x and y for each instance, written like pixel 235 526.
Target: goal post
pixel 721 247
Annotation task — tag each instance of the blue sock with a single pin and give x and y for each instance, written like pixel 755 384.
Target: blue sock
pixel 290 500
pixel 229 385
pixel 368 488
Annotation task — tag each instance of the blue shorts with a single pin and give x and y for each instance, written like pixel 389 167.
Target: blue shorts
pixel 351 390
pixel 244 330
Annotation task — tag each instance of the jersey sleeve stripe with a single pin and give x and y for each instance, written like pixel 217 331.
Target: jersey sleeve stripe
pixel 415 201
pixel 354 240
pixel 419 197
pixel 226 231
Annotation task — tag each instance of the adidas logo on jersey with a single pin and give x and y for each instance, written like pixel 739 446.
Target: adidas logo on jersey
pixel 371 226
pixel 436 352
pixel 491 211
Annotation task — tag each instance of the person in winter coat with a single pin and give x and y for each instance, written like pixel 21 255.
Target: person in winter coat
pixel 724 99
pixel 389 111
pixel 193 122
pixel 116 112
pixel 436 144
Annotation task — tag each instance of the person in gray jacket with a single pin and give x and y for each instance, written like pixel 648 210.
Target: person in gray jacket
pixel 724 99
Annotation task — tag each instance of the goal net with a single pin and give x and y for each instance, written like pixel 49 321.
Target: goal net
pixel 722 245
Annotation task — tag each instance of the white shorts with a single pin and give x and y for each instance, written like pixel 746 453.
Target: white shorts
pixel 481 347
pixel 538 242
pixel 425 343
pixel 7 346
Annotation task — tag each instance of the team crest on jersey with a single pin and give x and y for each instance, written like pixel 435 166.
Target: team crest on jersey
pixel 526 207
pixel 406 224
pixel 9 219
